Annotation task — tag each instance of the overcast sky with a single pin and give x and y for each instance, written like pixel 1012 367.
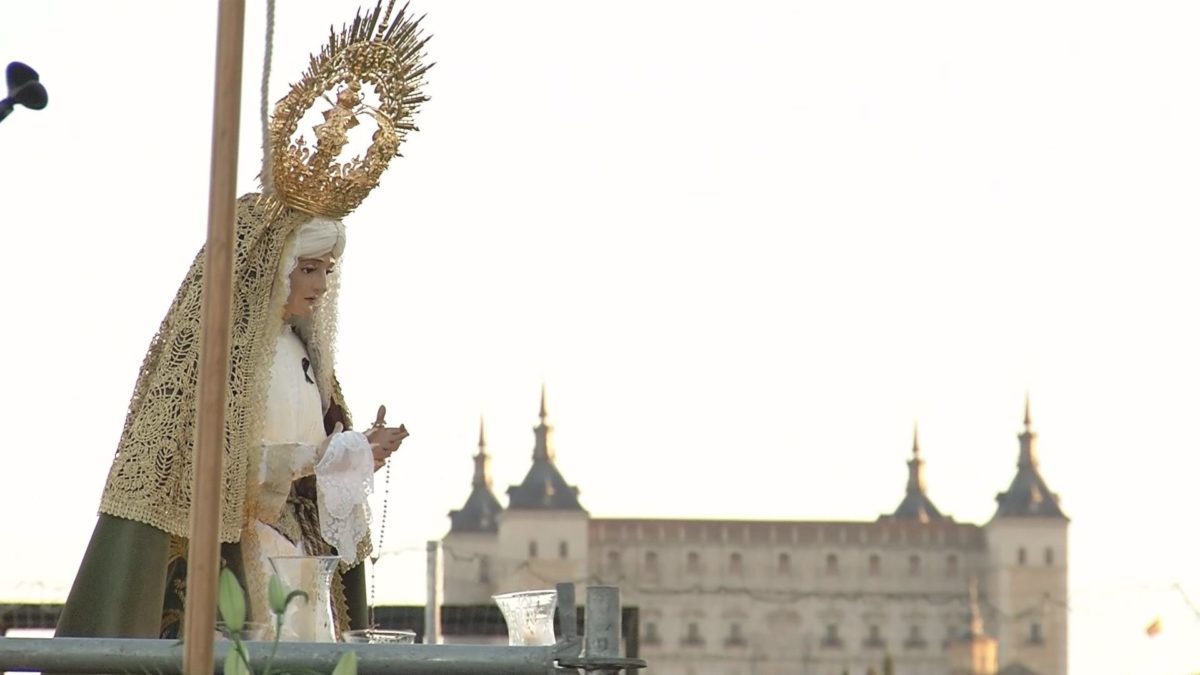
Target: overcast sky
pixel 744 245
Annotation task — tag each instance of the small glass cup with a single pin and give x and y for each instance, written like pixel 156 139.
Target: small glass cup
pixel 529 616
pixel 251 631
pixel 377 636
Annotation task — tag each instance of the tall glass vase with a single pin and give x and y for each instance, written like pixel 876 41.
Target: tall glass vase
pixel 529 616
pixel 311 620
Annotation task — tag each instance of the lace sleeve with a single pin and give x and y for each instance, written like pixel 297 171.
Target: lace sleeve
pixel 345 478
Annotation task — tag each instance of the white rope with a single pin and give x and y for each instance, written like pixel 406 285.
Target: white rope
pixel 265 176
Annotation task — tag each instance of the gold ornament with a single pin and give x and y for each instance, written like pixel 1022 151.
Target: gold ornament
pixel 374 50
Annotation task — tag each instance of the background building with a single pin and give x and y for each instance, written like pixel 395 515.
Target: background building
pixel 915 588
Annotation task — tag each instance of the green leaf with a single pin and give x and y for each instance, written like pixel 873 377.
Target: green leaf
pixel 347 665
pixel 276 595
pixel 231 602
pixel 235 661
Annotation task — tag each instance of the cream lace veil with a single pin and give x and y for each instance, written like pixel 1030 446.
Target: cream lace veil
pixel 151 477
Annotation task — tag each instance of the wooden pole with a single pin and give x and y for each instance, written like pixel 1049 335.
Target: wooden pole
pixel 203 543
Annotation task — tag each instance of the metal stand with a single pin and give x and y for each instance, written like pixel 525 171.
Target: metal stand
pixel 598 650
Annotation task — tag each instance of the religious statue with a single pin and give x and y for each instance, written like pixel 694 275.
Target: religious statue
pixel 296 476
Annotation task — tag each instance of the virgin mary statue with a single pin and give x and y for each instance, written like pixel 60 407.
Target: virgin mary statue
pixel 296 476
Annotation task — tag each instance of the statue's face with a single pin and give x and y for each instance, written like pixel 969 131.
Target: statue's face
pixel 308 283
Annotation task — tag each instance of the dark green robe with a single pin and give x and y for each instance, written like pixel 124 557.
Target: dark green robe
pixel 133 578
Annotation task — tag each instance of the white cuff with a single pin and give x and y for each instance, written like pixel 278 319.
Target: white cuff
pixel 345 478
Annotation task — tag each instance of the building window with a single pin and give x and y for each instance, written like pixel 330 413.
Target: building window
pixel 952 566
pixel 735 564
pixel 914 565
pixel 953 633
pixel 831 564
pixel 831 639
pixel 1021 556
pixel 651 562
pixel 693 562
pixel 533 549
pixel 735 638
pixel 874 638
pixel 1049 556
pixel 485 570
pixel 652 637
pixel 874 565
pixel 693 638
pixel 1035 634
pixel 785 563
pixel 915 640
pixel 614 562
pixel 563 550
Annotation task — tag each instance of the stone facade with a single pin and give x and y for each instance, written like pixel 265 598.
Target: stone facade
pixel 734 597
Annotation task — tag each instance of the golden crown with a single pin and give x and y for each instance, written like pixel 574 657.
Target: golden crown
pixel 374 50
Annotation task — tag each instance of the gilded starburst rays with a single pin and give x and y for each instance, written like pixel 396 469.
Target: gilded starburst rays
pixel 377 50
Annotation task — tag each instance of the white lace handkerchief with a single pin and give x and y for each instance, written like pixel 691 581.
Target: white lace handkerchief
pixel 345 478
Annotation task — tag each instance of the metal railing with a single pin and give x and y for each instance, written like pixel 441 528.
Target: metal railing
pixel 597 650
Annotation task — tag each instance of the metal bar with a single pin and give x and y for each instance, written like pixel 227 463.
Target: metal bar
pixel 433 593
pixel 602 623
pixel 110 655
pixel 204 547
pixel 568 620
pixel 632 633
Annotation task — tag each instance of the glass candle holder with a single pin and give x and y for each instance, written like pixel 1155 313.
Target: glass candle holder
pixel 311 620
pixel 529 616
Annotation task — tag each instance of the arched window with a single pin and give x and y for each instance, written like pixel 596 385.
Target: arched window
pixel 563 550
pixel 1049 556
pixel 874 565
pixel 693 638
pixel 915 640
pixel 533 549
pixel 652 637
pixel 914 565
pixel 651 562
pixel 874 638
pixel 614 562
pixel 735 638
pixel 831 564
pixel 1021 556
pixel 831 639
pixel 735 563
pixel 785 563
pixel 952 566
pixel 693 562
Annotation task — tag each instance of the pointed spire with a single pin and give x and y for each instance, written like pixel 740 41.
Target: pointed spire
pixel 1028 455
pixel 544 486
pixel 1028 495
pixel 543 447
pixel 479 512
pixel 976 625
pixel 483 472
pixel 916 505
pixel 916 467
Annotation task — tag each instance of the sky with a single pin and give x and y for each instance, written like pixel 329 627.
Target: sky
pixel 745 246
